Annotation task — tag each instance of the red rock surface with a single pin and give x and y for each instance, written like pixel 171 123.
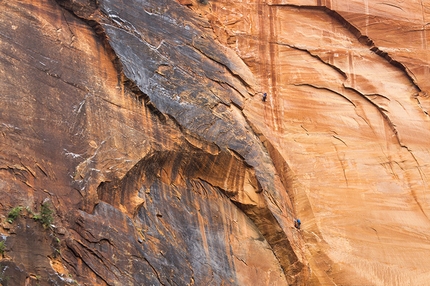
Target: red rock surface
pixel 141 125
pixel 347 110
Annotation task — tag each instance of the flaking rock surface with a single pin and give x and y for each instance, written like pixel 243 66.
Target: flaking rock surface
pixel 136 149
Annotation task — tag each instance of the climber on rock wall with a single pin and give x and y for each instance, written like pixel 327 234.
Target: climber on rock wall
pixel 264 96
pixel 297 223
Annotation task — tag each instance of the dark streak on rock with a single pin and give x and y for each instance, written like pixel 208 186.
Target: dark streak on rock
pixel 327 89
pixel 315 56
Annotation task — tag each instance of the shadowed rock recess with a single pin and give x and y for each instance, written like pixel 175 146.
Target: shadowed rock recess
pixel 135 148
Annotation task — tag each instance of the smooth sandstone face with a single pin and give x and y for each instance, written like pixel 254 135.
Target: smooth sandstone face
pixel 347 110
pixel 142 123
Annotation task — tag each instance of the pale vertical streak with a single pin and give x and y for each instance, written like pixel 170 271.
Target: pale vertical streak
pixel 424 33
pixel 366 12
pixel 273 68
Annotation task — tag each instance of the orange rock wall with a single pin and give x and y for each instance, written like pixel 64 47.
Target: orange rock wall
pixel 348 111
pixel 141 125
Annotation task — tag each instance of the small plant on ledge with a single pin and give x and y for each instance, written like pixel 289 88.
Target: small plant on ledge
pixel 2 248
pixel 45 216
pixel 13 214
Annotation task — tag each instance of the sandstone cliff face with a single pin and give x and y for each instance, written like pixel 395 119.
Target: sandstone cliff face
pixel 140 124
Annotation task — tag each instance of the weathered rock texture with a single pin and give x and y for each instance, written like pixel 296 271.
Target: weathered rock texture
pixel 141 125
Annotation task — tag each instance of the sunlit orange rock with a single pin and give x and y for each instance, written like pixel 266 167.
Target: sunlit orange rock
pixel 347 110
pixel 141 126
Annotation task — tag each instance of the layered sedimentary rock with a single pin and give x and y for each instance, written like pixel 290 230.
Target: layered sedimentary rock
pixel 140 124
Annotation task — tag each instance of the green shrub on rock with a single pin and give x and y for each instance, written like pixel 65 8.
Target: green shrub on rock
pixel 13 214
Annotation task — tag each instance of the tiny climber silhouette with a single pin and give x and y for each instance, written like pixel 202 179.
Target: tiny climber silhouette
pixel 297 223
pixel 264 96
